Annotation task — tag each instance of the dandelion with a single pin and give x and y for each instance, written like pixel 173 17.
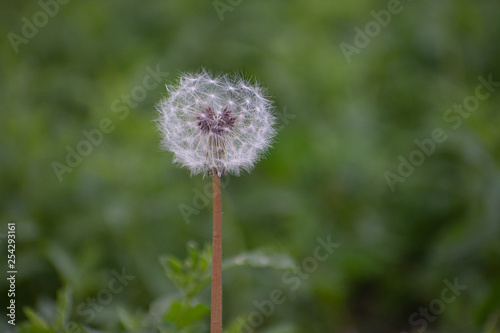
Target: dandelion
pixel 221 123
pixel 216 125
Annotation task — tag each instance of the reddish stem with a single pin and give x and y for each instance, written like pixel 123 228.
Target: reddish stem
pixel 216 312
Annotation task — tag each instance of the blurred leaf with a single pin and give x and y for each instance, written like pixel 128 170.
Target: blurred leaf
pixel 183 314
pixel 236 326
pixel 492 326
pixel 260 259
pixel 192 275
pixel 64 306
pixel 36 323
pixel 129 322
pixel 173 270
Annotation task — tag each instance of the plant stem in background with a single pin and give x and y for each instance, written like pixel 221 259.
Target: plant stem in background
pixel 216 312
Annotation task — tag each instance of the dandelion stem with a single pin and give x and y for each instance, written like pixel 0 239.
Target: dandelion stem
pixel 216 312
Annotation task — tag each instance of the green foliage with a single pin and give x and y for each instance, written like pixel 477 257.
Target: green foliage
pixel 59 323
pixel 192 275
pixel 119 207
pixel 182 312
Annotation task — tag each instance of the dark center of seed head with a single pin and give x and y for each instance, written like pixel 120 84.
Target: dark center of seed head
pixel 217 124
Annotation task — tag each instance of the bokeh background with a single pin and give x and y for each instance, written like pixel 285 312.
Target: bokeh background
pixel 344 122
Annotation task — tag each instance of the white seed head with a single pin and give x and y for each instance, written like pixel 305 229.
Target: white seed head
pixel 218 122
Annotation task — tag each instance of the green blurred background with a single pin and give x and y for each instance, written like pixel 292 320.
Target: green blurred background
pixel 343 125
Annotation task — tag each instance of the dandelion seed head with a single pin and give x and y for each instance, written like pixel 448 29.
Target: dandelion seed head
pixel 220 122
